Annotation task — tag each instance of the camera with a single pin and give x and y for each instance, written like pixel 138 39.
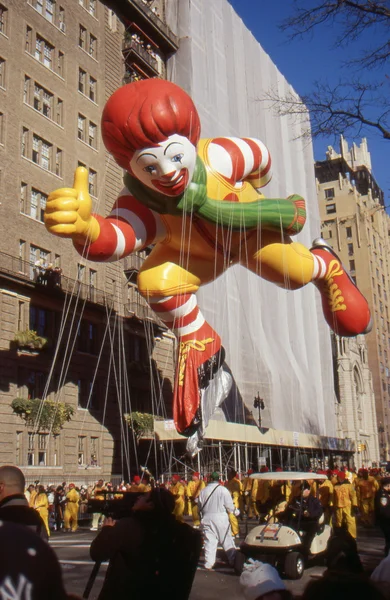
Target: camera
pixel 116 508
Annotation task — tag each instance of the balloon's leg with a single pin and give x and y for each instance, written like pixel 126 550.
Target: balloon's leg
pixel 345 308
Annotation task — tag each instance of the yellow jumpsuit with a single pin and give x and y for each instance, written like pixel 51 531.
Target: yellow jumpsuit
pixel 235 488
pixel 41 505
pixel 366 490
pixel 325 496
pixel 193 490
pixel 178 490
pixel 344 499
pixel 139 488
pixel 262 495
pixel 71 510
pixel 32 498
pixel 249 490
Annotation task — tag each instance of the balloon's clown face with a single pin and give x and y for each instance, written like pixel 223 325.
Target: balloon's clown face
pixel 166 167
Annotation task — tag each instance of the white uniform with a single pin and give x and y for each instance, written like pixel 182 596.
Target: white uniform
pixel 214 507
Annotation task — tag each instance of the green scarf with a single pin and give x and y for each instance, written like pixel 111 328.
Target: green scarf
pixel 273 214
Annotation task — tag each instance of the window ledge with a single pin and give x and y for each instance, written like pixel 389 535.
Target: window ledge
pixel 39 167
pixel 87 97
pixel 88 146
pixel 42 115
pixel 43 65
pixel 43 16
pixel 88 54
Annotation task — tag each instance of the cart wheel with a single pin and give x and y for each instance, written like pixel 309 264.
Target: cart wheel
pixel 294 565
pixel 239 561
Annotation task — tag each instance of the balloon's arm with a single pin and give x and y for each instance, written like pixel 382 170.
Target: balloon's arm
pixel 275 214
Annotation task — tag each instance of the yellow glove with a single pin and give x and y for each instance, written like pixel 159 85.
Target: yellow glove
pixel 68 211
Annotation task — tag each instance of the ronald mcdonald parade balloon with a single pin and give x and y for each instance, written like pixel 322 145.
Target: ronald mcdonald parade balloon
pixel 184 196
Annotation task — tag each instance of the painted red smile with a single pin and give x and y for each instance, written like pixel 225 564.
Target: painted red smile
pixel 172 187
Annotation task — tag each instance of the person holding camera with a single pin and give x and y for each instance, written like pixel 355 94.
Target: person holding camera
pixel 148 551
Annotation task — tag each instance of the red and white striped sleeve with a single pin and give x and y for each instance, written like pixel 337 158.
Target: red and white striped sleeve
pixel 130 226
pixel 240 159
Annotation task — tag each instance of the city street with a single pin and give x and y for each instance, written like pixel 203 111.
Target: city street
pixel 73 553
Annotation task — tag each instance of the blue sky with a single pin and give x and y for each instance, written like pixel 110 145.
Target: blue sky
pixel 312 58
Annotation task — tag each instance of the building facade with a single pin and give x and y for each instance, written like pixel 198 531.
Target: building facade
pixel 59 62
pixel 355 223
pixel 355 400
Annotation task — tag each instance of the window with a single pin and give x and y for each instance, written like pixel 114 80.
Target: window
pixel 58 170
pixel 33 202
pixel 92 182
pixel 60 64
pixel 80 272
pixel 351 265
pixel 112 22
pixel 41 152
pixel 2 72
pixel 87 337
pixel 18 448
pixel 92 89
pixel 81 450
pixel 92 50
pixel 81 125
pixel 329 193
pixel 82 81
pixel 92 7
pixel 350 249
pixel 42 449
pixel 82 37
pixel 3 19
pixel 94 445
pixel 44 52
pixel 31 450
pixel 2 137
pixel 59 112
pixel 349 232
pixel 330 209
pixel 28 41
pixel 330 234
pixel 61 19
pixel 87 85
pixel 35 383
pixel 39 320
pixel 92 135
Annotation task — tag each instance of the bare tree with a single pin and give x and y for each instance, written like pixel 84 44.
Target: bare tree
pixel 351 106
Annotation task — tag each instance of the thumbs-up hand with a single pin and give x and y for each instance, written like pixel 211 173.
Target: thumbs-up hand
pixel 68 210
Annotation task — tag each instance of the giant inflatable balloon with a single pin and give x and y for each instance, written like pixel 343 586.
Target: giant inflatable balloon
pixel 186 196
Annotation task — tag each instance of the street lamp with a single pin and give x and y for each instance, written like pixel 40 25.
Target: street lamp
pixel 259 404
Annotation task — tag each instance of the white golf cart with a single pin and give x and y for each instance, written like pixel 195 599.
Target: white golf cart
pixel 282 545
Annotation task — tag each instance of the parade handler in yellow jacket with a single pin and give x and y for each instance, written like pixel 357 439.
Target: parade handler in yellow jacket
pixel 234 485
pixel 71 513
pixel 178 490
pixel 366 488
pixel 345 504
pixel 249 490
pixel 41 505
pixel 193 490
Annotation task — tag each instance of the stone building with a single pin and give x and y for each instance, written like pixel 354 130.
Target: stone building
pixel 355 400
pixel 355 223
pixel 59 62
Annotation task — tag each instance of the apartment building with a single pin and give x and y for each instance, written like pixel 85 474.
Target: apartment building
pixel 59 62
pixel 355 223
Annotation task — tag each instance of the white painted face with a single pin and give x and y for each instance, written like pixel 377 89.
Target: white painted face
pixel 167 167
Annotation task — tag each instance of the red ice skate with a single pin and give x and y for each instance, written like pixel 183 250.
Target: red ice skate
pixel 345 308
